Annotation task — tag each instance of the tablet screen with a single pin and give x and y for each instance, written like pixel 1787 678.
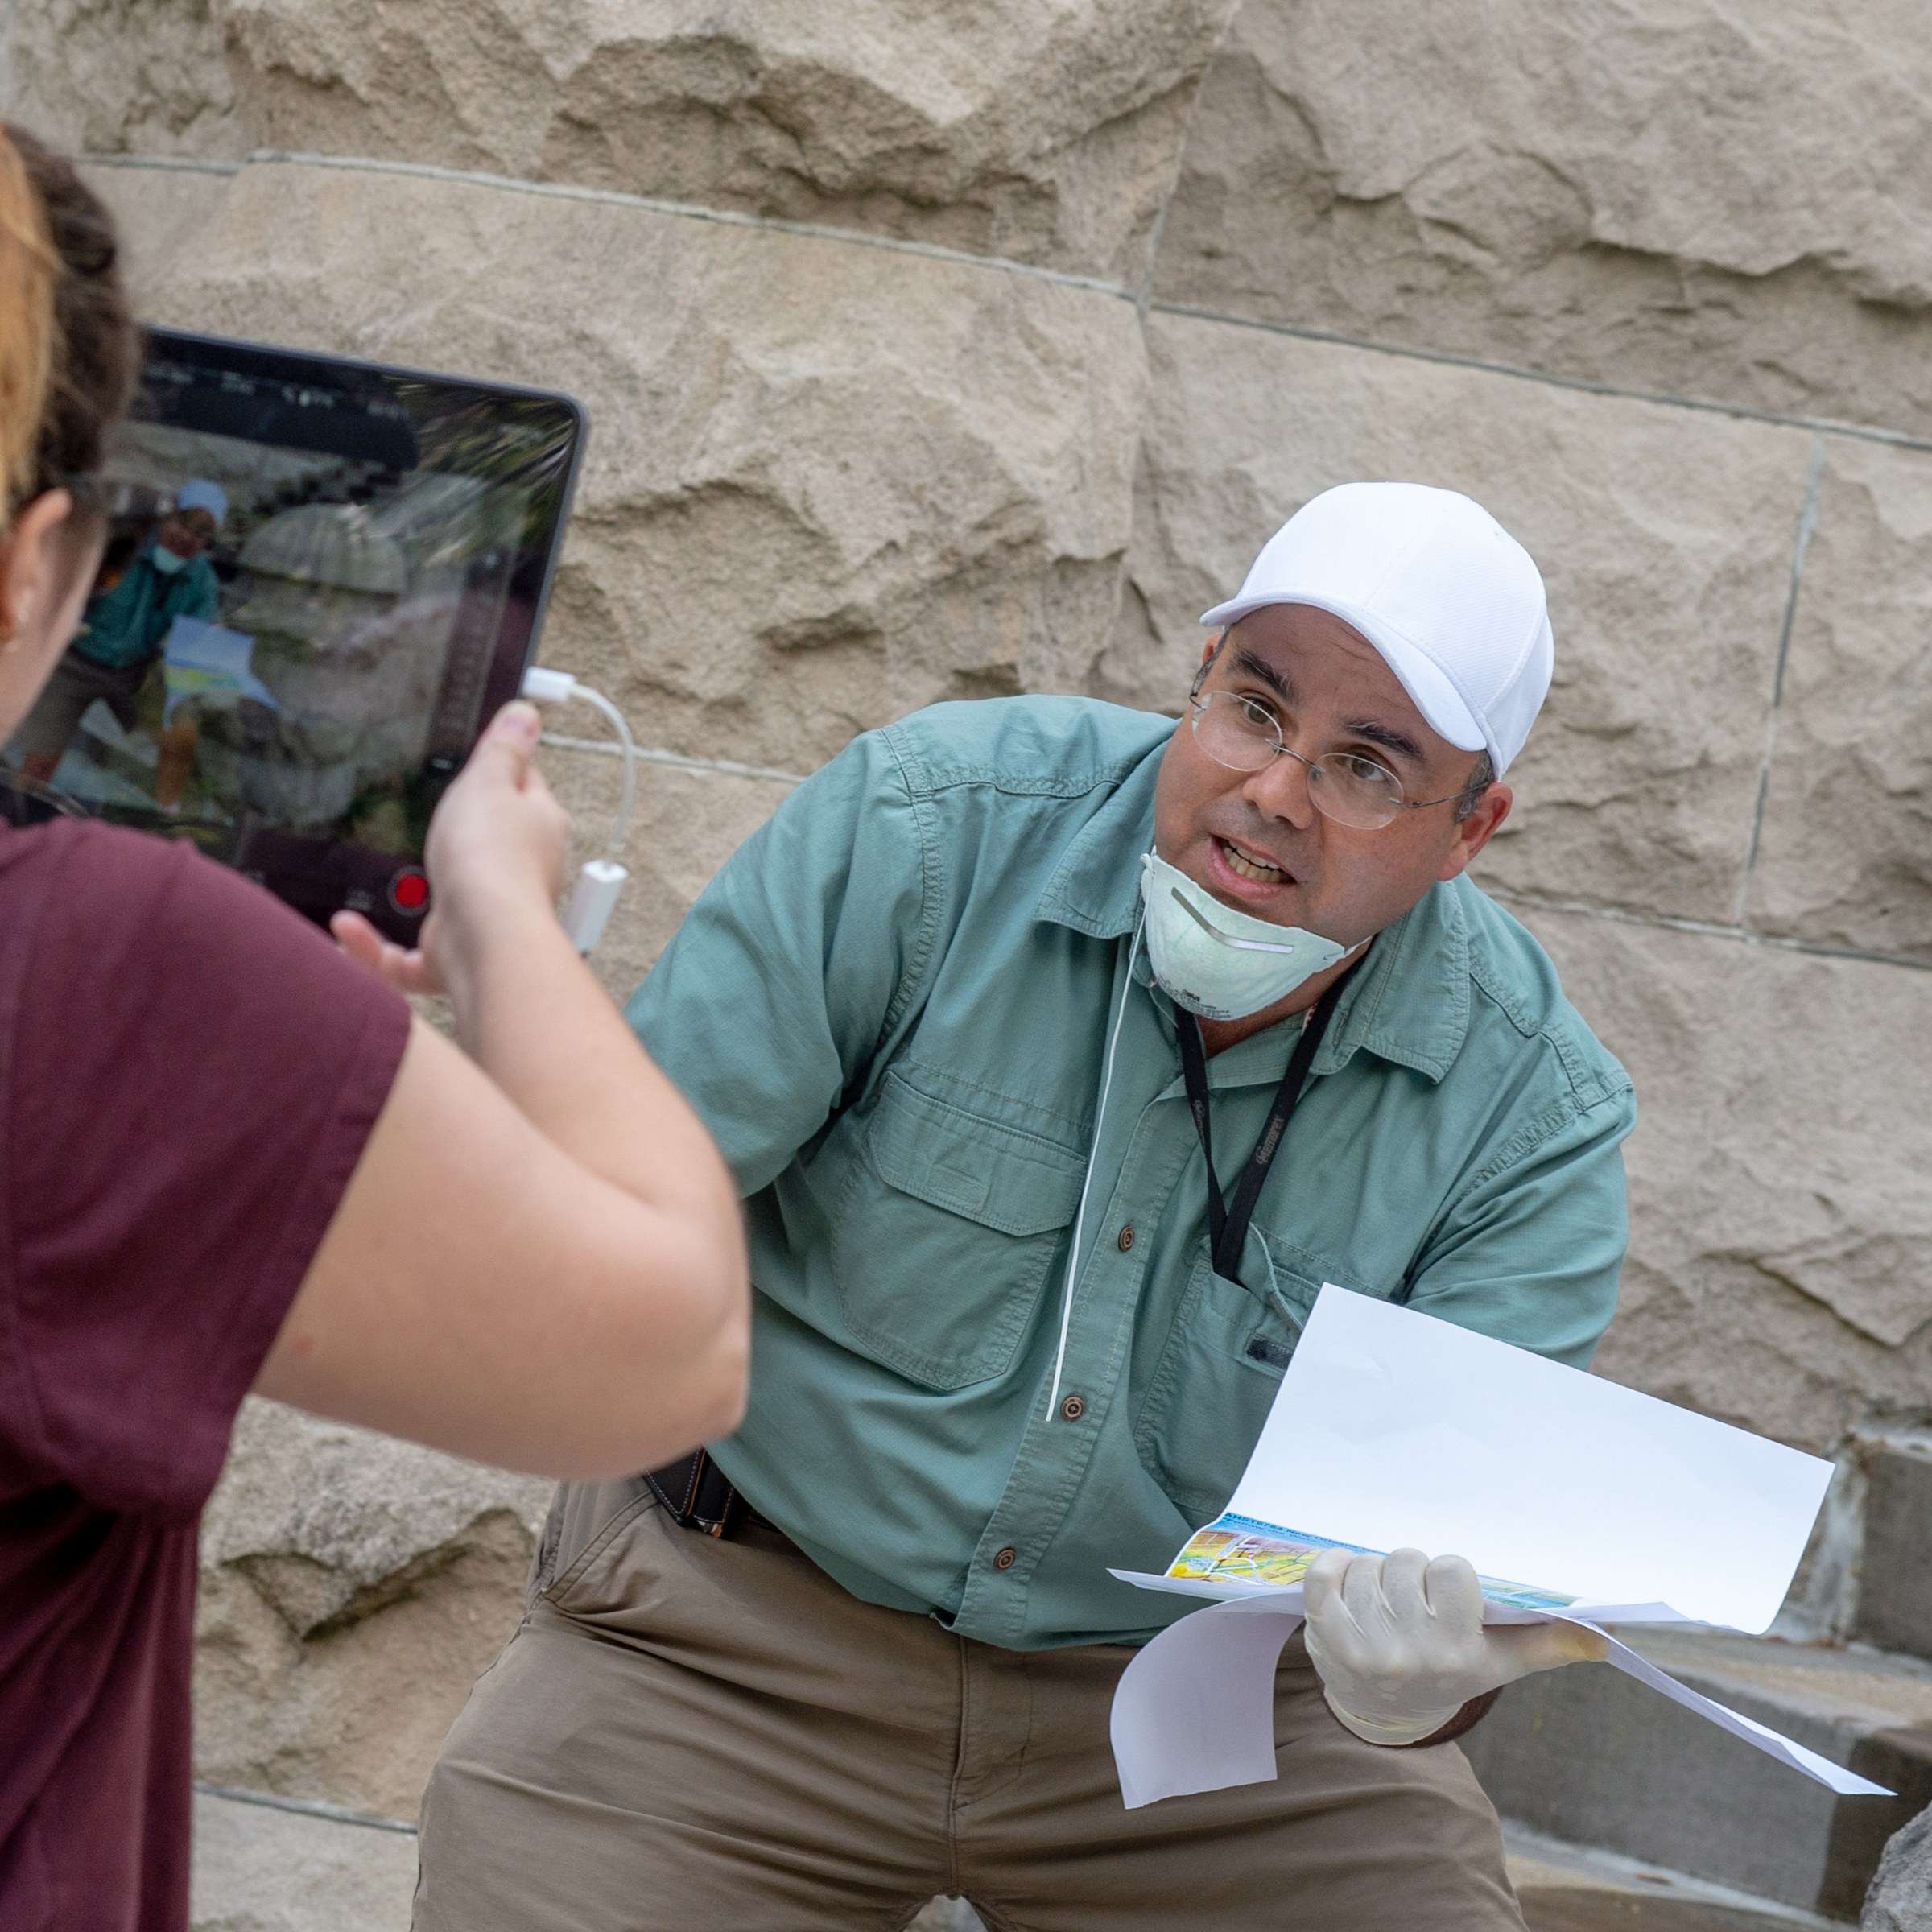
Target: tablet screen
pixel 322 577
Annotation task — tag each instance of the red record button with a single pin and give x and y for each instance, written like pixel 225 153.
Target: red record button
pixel 409 889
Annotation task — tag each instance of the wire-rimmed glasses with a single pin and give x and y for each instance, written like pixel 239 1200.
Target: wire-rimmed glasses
pixel 1244 735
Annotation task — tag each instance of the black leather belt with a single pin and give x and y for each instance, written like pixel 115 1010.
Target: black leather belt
pixel 695 1491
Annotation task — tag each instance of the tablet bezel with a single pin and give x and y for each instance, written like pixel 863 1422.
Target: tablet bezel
pixel 314 876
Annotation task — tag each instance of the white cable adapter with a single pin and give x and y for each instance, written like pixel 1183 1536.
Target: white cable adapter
pixel 594 896
pixel 592 901
pixel 542 686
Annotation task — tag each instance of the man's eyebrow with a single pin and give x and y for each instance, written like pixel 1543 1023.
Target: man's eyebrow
pixel 1263 672
pixel 1386 736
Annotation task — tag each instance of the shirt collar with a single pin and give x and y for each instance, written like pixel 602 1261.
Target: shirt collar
pixel 1095 889
pixel 1408 1001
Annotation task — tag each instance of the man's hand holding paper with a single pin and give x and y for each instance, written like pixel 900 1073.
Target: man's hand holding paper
pixel 1401 1647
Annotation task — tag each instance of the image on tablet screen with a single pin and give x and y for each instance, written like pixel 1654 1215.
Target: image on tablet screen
pixel 318 579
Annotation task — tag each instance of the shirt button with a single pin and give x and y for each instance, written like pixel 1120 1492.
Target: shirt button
pixel 1006 1558
pixel 1073 1408
pixel 1126 1237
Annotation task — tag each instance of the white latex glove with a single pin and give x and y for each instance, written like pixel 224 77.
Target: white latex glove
pixel 1400 1645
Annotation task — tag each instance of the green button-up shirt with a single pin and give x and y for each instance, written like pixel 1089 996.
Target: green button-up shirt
pixel 128 625
pixel 891 1007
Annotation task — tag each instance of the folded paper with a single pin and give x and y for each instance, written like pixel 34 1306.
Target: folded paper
pixel 1573 1497
pixel 206 661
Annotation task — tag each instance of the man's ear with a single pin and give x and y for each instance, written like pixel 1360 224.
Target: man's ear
pixel 1475 831
pixel 1209 651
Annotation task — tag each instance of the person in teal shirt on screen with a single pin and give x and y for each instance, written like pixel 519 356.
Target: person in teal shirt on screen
pixel 1063 1053
pixel 125 627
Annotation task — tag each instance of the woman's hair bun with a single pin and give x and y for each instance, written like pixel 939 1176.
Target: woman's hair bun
pixel 85 370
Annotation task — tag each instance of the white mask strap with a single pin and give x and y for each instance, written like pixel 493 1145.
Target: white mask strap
pixel 1093 1150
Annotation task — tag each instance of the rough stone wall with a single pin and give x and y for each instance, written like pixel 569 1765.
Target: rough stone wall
pixel 935 352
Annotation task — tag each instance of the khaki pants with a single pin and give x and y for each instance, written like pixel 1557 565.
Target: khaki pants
pixel 49 727
pixel 690 1735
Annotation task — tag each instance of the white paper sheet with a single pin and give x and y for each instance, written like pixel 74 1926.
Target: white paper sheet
pixel 1195 1710
pixel 201 659
pixel 1773 1742
pixel 1391 1429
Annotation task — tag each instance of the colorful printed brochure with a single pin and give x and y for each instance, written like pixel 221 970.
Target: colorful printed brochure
pixel 1241 1550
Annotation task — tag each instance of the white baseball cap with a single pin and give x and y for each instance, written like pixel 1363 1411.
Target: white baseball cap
pixel 201 494
pixel 1450 599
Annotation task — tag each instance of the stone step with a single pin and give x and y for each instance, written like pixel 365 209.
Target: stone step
pixel 1566 1888
pixel 1569 1888
pixel 264 1863
pixel 1894 1582
pixel 1586 1755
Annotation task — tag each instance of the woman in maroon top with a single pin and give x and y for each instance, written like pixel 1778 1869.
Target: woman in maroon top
pixel 230 1159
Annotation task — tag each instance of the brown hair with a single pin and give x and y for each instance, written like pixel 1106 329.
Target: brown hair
pixel 27 327
pixel 94 349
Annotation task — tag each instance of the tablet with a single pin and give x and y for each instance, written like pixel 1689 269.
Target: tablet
pixel 322 577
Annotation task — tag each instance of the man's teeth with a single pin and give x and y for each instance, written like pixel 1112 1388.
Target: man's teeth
pixel 1251 869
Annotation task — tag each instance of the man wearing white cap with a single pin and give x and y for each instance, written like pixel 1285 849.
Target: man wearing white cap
pixel 1062 1054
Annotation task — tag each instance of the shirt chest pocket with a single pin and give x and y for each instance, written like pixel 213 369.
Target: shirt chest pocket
pixel 943 1232
pixel 1217 1380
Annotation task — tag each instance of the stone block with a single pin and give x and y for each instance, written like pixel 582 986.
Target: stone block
pixel 1780 1272
pixel 352 1588
pixel 1568 1888
pixel 1048 135
pixel 1669 194
pixel 160 213
pixel 354 1713
pixel 1845 855
pixel 330 1522
pixel 1894 1596
pixel 149 76
pixel 1587 1755
pixel 260 1869
pixel 686 822
pixel 1901 1897
pixel 1665 535
pixel 827 482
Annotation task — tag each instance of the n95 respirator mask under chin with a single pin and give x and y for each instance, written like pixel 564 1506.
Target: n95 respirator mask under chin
pixel 1216 962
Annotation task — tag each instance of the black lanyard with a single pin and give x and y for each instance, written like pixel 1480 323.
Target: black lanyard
pixel 1228 1227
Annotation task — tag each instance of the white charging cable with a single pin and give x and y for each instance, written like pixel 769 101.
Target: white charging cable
pixel 594 896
